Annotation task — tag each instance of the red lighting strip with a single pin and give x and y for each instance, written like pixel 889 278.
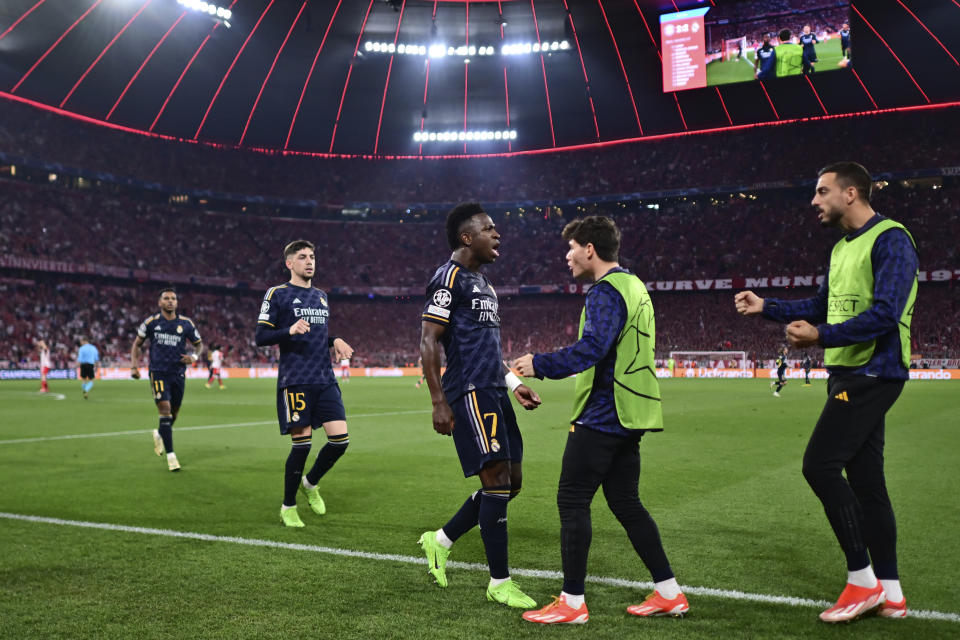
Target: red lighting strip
pixel 649 32
pixel 912 79
pixel 576 40
pixel 682 119
pixel 466 69
pixel 54 45
pixel 310 73
pixel 724 104
pixel 543 68
pixel 810 82
pixel 143 64
pixel 184 72
pixel 591 145
pixel 223 81
pixel 343 94
pixel 17 21
pixel 777 115
pixel 622 68
pixel 506 92
pixel 103 53
pixel 857 76
pixel 270 72
pixel 383 102
pixel 928 31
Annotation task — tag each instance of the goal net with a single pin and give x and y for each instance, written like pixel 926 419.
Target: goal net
pixel 711 359
pixel 734 48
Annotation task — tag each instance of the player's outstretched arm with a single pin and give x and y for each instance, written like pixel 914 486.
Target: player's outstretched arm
pixel 430 346
pixel 526 396
pixel 748 303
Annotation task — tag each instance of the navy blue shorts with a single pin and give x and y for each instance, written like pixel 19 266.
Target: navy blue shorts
pixel 485 429
pixel 167 387
pixel 308 405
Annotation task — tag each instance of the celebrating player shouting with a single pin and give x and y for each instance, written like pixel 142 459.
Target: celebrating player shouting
pixel 470 402
pixel 295 316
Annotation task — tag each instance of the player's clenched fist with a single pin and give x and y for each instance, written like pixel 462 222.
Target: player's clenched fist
pixel 299 327
pixel 748 303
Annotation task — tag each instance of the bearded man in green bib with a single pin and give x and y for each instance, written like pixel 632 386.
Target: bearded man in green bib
pixel 616 402
pixel 861 317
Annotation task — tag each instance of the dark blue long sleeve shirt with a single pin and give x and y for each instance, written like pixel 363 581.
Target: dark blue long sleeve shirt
pixel 606 313
pixel 895 264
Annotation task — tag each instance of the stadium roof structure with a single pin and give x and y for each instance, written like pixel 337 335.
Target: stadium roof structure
pixel 329 77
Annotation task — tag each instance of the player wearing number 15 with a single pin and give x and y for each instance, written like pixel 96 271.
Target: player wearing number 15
pixel 168 333
pixel 295 316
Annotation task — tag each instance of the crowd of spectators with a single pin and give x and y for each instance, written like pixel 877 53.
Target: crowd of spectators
pixel 758 234
pixel 910 141
pixel 386 332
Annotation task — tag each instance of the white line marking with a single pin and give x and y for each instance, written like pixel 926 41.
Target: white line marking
pixel 35 394
pixel 471 566
pixel 78 436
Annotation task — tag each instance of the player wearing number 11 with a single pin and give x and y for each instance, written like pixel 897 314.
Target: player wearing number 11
pixel 295 316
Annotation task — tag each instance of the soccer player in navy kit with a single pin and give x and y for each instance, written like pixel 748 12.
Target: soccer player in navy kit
pixel 765 61
pixel 845 40
pixel 168 333
pixel 807 41
pixel 781 381
pixel 470 402
pixel 295 316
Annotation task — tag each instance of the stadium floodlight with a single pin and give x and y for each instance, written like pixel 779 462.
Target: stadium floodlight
pixel 437 51
pixel 464 136
pixel 209 8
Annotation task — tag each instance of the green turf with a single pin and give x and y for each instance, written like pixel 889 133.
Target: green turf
pixel 727 71
pixel 723 483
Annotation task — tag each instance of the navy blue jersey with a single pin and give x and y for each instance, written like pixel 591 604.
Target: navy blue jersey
pixel 807 364
pixel 844 38
pixel 781 363
pixel 168 341
pixel 808 40
pixel 767 55
pixel 304 359
pixel 465 303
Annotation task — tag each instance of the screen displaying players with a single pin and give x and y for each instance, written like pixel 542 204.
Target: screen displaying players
pixel 743 41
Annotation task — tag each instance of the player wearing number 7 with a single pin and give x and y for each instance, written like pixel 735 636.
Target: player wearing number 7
pixel 470 402
pixel 295 316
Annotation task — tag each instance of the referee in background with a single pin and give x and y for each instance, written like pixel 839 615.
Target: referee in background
pixel 88 357
pixel 861 316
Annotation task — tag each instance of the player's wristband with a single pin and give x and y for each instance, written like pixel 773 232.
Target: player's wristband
pixel 512 380
pixel 194 357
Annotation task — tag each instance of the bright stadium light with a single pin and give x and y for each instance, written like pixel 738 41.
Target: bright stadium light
pixel 465 52
pixel 464 136
pixel 209 8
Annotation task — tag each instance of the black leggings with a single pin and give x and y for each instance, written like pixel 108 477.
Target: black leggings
pixel 849 437
pixel 593 459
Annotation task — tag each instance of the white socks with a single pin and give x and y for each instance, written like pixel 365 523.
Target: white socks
pixel 306 483
pixel 574 602
pixel 171 456
pixel 893 590
pixel 862 577
pixel 496 582
pixel 669 589
pixel 444 541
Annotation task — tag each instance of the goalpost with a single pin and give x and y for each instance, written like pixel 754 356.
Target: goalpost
pixel 733 46
pixel 711 359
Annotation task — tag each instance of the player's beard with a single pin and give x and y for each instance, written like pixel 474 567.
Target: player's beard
pixel 829 218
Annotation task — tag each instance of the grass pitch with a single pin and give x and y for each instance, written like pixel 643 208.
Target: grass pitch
pixel 723 482
pixel 728 71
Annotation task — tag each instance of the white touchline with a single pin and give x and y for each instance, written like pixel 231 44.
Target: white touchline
pixel 108 434
pixel 728 594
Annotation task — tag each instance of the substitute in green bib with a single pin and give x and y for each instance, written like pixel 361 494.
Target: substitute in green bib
pixel 616 401
pixel 861 317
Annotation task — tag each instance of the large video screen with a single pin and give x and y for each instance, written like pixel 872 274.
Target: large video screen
pixel 754 39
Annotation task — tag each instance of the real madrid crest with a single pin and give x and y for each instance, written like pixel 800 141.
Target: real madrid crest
pixel 179 329
pixel 295 417
pixel 494 445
